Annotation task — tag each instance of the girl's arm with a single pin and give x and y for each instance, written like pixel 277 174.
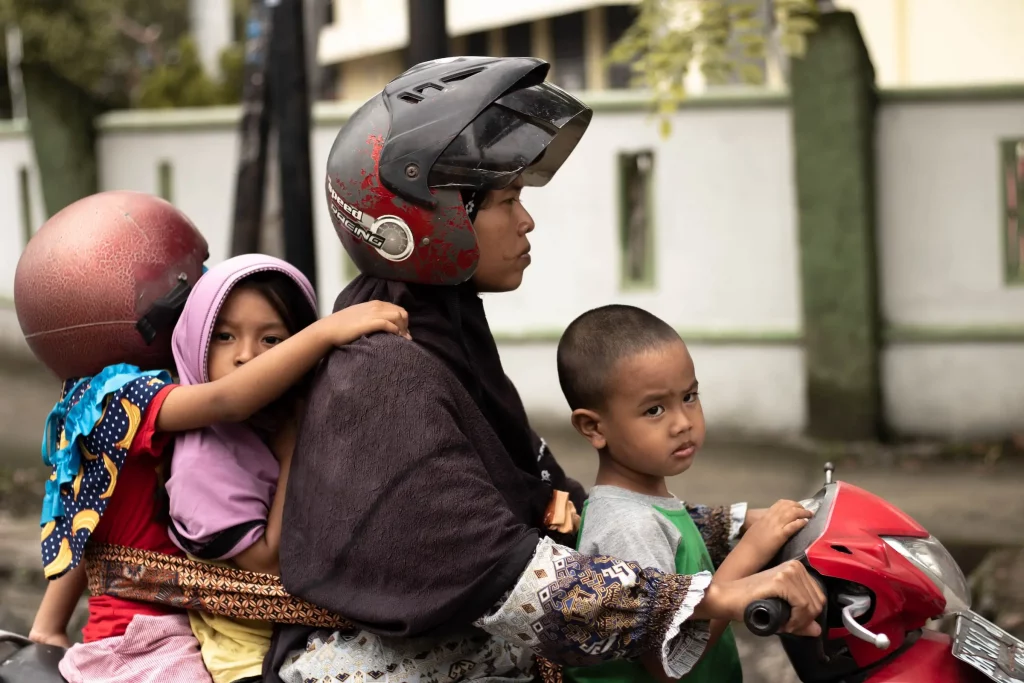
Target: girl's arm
pixel 263 555
pixel 58 605
pixel 237 396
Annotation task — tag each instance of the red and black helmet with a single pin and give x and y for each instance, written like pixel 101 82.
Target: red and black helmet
pixel 399 166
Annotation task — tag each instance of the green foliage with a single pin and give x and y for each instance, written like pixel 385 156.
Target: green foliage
pixel 727 38
pixel 180 82
pixel 232 69
pixel 122 52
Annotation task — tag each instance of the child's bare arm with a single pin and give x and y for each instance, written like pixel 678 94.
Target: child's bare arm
pixel 236 397
pixel 58 605
pixel 758 546
pixel 264 555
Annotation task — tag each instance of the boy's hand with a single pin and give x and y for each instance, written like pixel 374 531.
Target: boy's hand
pixel 768 530
pixel 58 639
pixel 351 323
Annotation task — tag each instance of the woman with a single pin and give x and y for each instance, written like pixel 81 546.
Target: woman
pixel 418 489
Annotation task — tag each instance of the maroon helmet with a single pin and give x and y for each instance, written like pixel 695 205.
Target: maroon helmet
pixel 103 282
pixel 399 166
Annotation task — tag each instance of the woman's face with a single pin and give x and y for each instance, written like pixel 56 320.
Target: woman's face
pixel 501 226
pixel 246 327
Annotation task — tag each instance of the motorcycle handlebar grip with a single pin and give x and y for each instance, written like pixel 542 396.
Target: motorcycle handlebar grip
pixel 766 617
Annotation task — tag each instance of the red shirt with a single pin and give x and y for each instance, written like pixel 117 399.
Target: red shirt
pixel 131 520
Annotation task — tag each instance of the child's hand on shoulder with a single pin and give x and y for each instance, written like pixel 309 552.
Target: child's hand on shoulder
pixel 768 530
pixel 349 324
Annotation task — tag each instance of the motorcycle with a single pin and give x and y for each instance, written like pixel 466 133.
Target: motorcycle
pixel 22 661
pixel 885 578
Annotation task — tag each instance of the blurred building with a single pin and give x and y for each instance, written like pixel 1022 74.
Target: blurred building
pixel 912 42
pixel 362 45
pixel 926 43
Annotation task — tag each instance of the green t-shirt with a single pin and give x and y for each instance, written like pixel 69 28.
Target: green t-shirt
pixel 654 532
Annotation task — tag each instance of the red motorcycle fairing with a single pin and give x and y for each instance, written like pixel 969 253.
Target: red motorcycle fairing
pixel 851 549
pixel 927 660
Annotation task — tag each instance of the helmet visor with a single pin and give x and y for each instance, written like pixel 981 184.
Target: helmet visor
pixel 528 132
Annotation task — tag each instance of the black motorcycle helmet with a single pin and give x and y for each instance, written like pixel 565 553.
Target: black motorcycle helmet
pixel 399 167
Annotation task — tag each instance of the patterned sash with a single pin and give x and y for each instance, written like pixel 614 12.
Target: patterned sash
pixel 147 576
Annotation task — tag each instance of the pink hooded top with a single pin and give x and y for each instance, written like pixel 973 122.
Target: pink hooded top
pixel 223 478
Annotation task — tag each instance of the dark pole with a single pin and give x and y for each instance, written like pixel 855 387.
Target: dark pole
pixel 428 33
pixel 291 113
pixel 316 18
pixel 255 129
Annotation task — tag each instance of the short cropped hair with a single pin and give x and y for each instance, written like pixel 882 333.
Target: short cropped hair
pixel 597 340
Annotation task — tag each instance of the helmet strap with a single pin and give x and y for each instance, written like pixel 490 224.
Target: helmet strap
pixel 472 199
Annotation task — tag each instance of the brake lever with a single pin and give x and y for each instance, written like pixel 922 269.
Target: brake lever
pixel 857 606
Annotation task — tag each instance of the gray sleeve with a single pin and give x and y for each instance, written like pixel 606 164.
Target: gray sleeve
pixel 630 531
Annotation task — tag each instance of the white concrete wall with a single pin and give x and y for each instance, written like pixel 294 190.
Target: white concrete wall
pixel 745 389
pixel 15 154
pixel 941 268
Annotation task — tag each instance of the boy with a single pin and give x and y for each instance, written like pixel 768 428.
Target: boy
pixel 631 384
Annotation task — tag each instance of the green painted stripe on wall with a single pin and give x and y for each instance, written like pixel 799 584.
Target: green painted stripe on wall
pixel 968 334
pixel 219 118
pixel 15 128
pixel 967 93
pixel 709 337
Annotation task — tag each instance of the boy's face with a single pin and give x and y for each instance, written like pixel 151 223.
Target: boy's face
pixel 652 423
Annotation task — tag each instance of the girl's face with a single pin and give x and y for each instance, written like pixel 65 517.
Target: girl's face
pixel 246 327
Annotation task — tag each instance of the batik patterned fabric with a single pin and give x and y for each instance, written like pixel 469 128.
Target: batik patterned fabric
pixel 87 437
pixel 719 527
pixel 146 576
pixel 582 610
pixel 566 607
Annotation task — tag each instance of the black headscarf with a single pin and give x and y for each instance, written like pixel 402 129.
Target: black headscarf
pixel 450 323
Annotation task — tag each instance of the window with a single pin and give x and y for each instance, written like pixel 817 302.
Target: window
pixel 636 172
pixel 618 18
pixel 477 44
pixel 570 62
pixel 1012 180
pixel 25 193
pixel 328 82
pixel 518 41
pixel 165 180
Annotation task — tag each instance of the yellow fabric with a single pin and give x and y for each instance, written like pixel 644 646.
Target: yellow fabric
pixel 232 648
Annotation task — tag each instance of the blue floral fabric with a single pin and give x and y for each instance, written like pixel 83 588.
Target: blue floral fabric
pixel 87 438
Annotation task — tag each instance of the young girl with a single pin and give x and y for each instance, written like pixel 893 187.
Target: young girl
pixel 116 424
pixel 227 484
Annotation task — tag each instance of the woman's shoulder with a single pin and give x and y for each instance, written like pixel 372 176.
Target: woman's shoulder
pixel 383 364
